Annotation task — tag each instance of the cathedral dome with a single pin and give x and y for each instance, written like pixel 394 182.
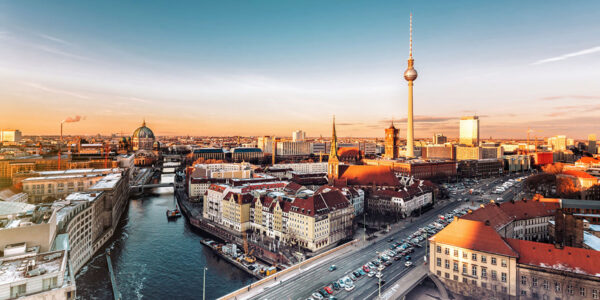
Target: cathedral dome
pixel 143 132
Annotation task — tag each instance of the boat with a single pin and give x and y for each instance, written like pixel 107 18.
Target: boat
pixel 174 213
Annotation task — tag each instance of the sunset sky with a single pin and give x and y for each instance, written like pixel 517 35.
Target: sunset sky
pixel 271 67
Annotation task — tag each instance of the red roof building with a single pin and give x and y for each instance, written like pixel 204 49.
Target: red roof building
pixel 368 176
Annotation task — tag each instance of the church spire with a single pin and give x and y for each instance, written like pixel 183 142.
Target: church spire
pixel 333 151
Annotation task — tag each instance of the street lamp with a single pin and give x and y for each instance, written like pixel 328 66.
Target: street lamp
pixel 204 284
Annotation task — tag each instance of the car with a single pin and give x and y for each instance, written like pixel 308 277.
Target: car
pixel 352 277
pixel 336 286
pixel 341 283
pixel 408 264
pixel 381 268
pixel 371 274
pixel 388 263
pixel 329 289
pixel 366 268
pixel 371 265
pixel 317 295
pixel 332 268
pixel 376 263
pixel 378 275
pixel 349 288
pixel 323 292
pixel 362 273
pixel 332 298
pixel 407 257
pixel 348 281
pixel 398 257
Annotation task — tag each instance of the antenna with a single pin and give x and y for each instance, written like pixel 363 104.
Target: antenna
pixel 411 30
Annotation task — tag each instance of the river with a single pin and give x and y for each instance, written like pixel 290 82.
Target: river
pixel 158 259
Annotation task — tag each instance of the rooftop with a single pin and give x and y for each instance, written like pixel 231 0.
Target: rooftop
pixel 473 235
pixel 14 269
pixel 569 259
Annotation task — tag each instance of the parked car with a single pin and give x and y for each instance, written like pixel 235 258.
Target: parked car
pixel 317 296
pixel 328 289
pixel 352 277
pixel 336 285
pixel 388 263
pixel 366 268
pixel 371 274
pixel 349 288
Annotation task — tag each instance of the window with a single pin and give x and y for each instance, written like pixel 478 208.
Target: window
pixel 504 263
pixel 523 292
pixel 465 255
pixel 447 264
pixel 447 275
pixel 557 286
pixel 465 269
pixel 49 283
pixel 582 291
pixel 523 280
pixel 533 281
pixel 484 259
pixel 595 294
pixel 484 285
pixel 504 289
pixel 503 277
pixel 545 284
pixel 439 273
pixel 455 266
pixel 18 290
pixel 474 256
pixel 493 261
pixel 494 275
pixel 455 253
pixel 446 251
pixel 483 273
pixel 455 277
pixel 465 280
pixel 439 262
pixel 439 249
pixel 570 289
pixel 474 270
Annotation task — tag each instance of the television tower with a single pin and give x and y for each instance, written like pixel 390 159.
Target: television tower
pixel 410 75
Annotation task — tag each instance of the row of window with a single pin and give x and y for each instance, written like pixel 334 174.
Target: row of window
pixel 557 287
pixel 465 255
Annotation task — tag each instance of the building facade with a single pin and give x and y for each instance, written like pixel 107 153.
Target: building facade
pixel 469 131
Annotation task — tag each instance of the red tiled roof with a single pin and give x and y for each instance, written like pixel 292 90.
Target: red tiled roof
pixel 569 259
pixel 473 235
pixel 492 213
pixel 293 187
pixel 588 160
pixel 391 193
pixel 368 175
pixel 522 210
pixel 320 203
pixel 578 174
pixel 348 152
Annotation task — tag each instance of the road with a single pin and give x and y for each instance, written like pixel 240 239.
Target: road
pixel 318 276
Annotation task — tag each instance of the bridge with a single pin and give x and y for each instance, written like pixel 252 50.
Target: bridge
pixel 139 188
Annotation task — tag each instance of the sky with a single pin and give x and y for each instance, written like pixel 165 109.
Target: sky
pixel 222 68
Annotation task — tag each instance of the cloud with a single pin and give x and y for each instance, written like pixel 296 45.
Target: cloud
pixel 568 55
pixel 55 39
pixel 578 97
pixel 57 91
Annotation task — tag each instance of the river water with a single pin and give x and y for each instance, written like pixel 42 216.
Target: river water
pixel 158 259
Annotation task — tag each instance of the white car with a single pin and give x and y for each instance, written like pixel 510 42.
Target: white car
pixel 378 275
pixel 408 264
pixel 371 274
pixel 349 288
pixel 317 296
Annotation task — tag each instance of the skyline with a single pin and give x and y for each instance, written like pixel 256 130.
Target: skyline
pixel 217 68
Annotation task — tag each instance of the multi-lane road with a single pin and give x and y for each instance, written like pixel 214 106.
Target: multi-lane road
pixel 317 276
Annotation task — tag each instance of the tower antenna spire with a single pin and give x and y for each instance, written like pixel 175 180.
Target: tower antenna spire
pixel 410 41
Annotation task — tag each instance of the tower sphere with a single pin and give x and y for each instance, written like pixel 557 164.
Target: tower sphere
pixel 410 74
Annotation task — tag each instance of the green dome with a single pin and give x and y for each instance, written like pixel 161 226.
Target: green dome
pixel 143 132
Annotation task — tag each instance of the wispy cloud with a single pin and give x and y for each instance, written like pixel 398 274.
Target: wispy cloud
pixel 55 39
pixel 54 90
pixel 568 55
pixel 578 97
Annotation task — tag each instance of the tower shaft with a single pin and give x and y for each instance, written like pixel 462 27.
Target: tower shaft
pixel 410 132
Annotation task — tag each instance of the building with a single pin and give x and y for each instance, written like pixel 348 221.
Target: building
pixel 298 136
pixel 265 143
pixel 480 167
pixel 29 274
pixel 308 168
pixel 288 148
pixel 392 142
pixel 201 176
pixel 439 139
pixel 25 223
pixel 246 154
pixel 439 152
pixel 414 199
pixel 321 148
pixel 558 143
pixel 471 259
pixel 143 138
pixel 209 153
pixel 469 131
pixel 517 163
pixel 543 158
pixel 592 148
pixel 10 136
pixel 421 169
pixel 50 188
pixel 235 213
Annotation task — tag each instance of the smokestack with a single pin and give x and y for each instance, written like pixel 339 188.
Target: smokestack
pixel 274 151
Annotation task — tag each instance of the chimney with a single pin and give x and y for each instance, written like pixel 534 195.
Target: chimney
pixel 239 198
